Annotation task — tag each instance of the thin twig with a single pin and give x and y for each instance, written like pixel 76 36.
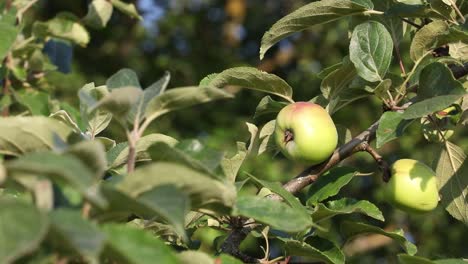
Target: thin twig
pixel 383 165
pixel 411 23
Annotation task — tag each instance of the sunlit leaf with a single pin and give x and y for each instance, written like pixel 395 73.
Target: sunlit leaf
pixel 391 126
pixel 252 78
pixel 309 15
pixel 346 206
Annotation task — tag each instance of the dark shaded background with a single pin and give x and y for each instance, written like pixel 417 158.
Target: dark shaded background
pixel 192 39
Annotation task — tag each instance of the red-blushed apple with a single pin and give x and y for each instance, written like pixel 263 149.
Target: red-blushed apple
pixel 306 133
pixel 412 186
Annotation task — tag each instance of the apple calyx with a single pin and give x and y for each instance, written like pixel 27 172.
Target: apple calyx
pixel 288 136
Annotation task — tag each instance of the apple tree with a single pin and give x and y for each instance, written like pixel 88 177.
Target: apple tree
pixel 70 192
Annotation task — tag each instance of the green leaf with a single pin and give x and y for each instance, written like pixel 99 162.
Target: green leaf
pixel 442 8
pixel 128 9
pixel 123 78
pixel 65 118
pixel 98 120
pixel 274 213
pixel 350 229
pixel 63 26
pixel 315 249
pixel 70 231
pixel 268 106
pixel 156 89
pixel 277 188
pixel 451 169
pixel 99 13
pixel 22 228
pixel 436 79
pixel 381 90
pixel 9 33
pixel 59 167
pixel 344 134
pixel 227 259
pixel 231 166
pixel 92 154
pixel 204 191
pixel 329 184
pixel 346 206
pixel 118 155
pixel 267 141
pixel 128 245
pixel 170 203
pixel 309 15
pixel 413 9
pixel 408 259
pixel 451 261
pixel 209 157
pixel 370 50
pixel 430 106
pixel 119 102
pixel 178 98
pixel 459 51
pixel 36 102
pixel 338 88
pixel 252 78
pixel 433 35
pixel 21 135
pixel 391 126
pixel 195 257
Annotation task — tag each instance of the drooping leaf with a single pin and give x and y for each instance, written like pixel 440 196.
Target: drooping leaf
pixel 123 78
pixel 430 106
pixel 9 32
pixel 22 228
pixel 433 35
pixel 118 155
pixel 231 166
pixel 329 184
pixel 21 135
pixel 99 13
pixel 204 191
pixel 58 167
pixel 127 8
pixel 370 50
pixel 129 245
pixel 274 213
pixel 184 97
pixel 252 78
pixel 63 26
pixel 210 157
pixel 309 15
pixel 315 249
pixel 157 88
pixel 451 168
pixel 350 229
pixel 71 232
pixel 391 126
pixel 346 206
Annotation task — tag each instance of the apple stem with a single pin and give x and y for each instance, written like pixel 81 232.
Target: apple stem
pixel 288 136
pixel 383 165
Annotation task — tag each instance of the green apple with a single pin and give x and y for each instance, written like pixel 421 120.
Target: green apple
pixel 412 186
pixel 305 132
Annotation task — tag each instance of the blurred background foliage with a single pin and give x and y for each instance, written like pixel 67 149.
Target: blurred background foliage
pixel 193 38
